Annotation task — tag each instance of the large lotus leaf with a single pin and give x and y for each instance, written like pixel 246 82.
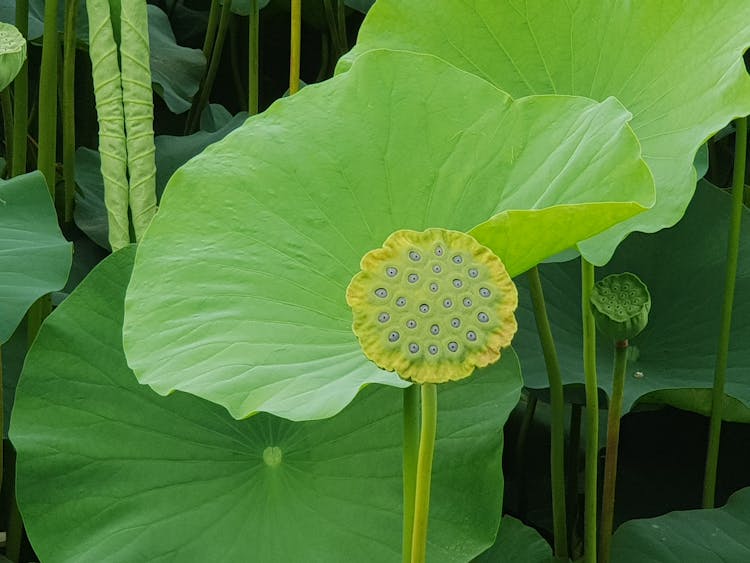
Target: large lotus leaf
pixel 720 535
pixel 255 316
pixel 683 268
pixel 110 471
pixel 517 543
pixel 34 256
pixel 638 52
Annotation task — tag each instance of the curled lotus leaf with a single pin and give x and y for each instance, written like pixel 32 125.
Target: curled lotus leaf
pixel 635 51
pixel 12 53
pixel 243 302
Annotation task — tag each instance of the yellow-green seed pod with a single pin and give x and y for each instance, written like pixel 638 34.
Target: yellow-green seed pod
pixel 433 305
pixel 621 304
pixel 12 53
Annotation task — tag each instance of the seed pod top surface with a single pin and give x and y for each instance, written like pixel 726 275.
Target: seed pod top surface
pixel 621 304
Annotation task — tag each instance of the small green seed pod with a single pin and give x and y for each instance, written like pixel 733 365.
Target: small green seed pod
pixel 621 303
pixel 12 53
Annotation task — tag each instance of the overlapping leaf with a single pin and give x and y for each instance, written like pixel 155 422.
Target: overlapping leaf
pixel 238 293
pixel 677 66
pixel 718 535
pixel 34 256
pixel 674 356
pixel 110 471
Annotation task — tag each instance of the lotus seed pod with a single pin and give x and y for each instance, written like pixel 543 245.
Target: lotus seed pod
pixel 433 305
pixel 12 53
pixel 621 303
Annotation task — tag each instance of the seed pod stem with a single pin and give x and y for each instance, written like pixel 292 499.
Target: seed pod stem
pixel 424 472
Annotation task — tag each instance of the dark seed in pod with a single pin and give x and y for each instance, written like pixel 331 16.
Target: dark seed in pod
pixel 413 347
pixel 484 292
pixel 432 349
pixel 381 292
pixel 438 251
pixel 447 303
pixel 457 259
pixel 483 317
pixel 384 317
pixel 457 283
pixel 414 256
pixel 411 323
pixel 467 302
pixel 435 329
pixel 471 336
pixel 455 323
pixel 437 269
pixel 452 346
pixel 393 336
pixel 434 287
pixel 424 308
pixel 391 272
pixel 473 272
pixel 401 301
pixel 413 278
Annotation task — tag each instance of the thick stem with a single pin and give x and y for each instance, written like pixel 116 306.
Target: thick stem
pixel 15 524
pixel 21 97
pixel 253 58
pixel 424 472
pixel 68 107
pixel 557 402
pixel 411 447
pixel 213 68
pixel 341 21
pixel 295 47
pixel 720 371
pixel 333 27
pixel 234 61
pixel 47 97
pixel 592 411
pixel 571 472
pixel 213 21
pixel 613 440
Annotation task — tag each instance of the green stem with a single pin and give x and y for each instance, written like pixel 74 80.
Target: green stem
pixel 341 20
pixel 234 61
pixel 213 68
pixel 213 21
pixel 424 472
pixel 295 47
pixel 523 434
pixel 47 97
pixel 68 107
pixel 15 523
pixel 592 411
pixel 557 402
pixel 571 472
pixel 333 27
pixel 2 413
pixel 21 97
pixel 7 109
pixel 253 58
pixel 613 440
pixel 733 249
pixel 411 447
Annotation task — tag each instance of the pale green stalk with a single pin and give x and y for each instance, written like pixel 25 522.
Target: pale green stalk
pixel 109 108
pixel 411 448
pixel 720 372
pixel 613 442
pixel 68 107
pixel 253 58
pixel 424 472
pixel 137 97
pixel 7 109
pixel 557 402
pixel 295 51
pixel 47 97
pixel 592 412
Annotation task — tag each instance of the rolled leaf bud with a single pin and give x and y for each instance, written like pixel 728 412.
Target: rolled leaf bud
pixel 12 53
pixel 621 303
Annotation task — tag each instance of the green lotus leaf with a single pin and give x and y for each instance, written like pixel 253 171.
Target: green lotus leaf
pixel 517 543
pixel 255 317
pixel 675 355
pixel 242 7
pixel 12 53
pixel 716 535
pixel 110 471
pixel 635 51
pixel 34 256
